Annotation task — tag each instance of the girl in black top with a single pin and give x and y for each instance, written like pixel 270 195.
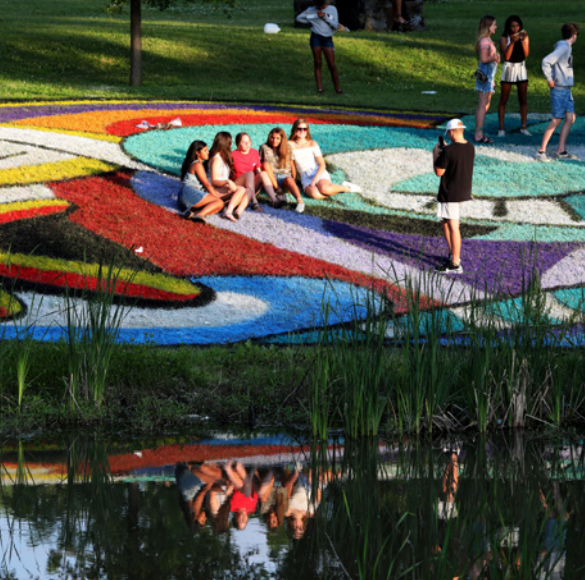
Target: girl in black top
pixel 515 47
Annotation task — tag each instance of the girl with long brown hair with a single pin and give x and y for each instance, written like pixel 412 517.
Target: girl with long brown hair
pixel 488 64
pixel 220 167
pixel 276 158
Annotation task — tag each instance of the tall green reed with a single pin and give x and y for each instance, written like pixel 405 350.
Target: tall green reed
pixel 362 533
pixel 349 379
pixel 320 396
pixel 94 319
pixel 426 369
pixel 23 346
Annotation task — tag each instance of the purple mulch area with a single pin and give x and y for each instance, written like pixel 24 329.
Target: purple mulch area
pixel 499 266
pixel 16 113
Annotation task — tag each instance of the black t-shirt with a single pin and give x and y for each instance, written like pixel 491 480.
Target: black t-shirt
pixel 517 52
pixel 457 161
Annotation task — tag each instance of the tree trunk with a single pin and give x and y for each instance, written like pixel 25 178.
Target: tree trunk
pixel 135 43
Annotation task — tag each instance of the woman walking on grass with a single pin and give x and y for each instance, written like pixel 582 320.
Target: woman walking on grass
pixel 485 83
pixel 515 47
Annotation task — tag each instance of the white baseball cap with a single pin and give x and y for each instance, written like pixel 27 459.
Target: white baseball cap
pixel 454 124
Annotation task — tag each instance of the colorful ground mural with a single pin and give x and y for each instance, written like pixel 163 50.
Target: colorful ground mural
pixel 81 184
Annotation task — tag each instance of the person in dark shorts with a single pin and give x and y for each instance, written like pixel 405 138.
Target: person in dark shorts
pixel 454 165
pixel 324 22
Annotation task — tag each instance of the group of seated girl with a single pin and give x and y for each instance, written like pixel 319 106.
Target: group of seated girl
pixel 222 180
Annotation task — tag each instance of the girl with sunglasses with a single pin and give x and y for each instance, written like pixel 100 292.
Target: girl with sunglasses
pixel 310 165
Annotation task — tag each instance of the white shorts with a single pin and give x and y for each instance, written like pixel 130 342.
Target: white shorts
pixel 306 179
pixel 448 211
pixel 447 510
pixel 514 72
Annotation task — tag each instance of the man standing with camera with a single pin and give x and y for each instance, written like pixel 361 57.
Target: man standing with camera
pixel 454 165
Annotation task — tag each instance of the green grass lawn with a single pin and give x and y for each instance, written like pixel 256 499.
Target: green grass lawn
pixel 72 49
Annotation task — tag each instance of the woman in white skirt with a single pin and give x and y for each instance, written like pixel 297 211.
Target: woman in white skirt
pixel 515 47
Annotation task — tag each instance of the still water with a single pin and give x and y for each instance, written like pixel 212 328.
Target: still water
pixel 273 506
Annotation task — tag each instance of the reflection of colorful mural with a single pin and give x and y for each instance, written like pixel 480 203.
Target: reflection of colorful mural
pixel 80 183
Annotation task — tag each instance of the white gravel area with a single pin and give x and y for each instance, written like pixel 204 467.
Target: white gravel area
pixel 228 308
pixel 73 144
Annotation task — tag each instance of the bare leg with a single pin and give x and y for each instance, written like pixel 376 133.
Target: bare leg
pixel 244 201
pixel 209 205
pixel 330 58
pixel 569 120
pixel 263 180
pixel 451 478
pixel 211 208
pixel 447 234
pixel 290 184
pixel 455 237
pixel 482 108
pixel 313 192
pixel 548 132
pixel 317 50
pixel 327 188
pixel 505 88
pixel 234 476
pixel 523 101
pixel 247 182
pixel 235 200
pixel 397 12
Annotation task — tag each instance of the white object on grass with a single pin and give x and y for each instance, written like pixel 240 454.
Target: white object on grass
pixel 271 28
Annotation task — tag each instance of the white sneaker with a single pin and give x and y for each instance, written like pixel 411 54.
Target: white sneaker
pixel 526 132
pixel 564 156
pixel 353 187
pixel 501 133
pixel 300 207
pixel 541 156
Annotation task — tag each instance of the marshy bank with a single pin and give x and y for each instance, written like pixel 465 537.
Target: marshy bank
pixel 384 373
pixel 484 507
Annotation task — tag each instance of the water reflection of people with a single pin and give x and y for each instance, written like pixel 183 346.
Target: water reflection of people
pixel 302 502
pixel 192 493
pixel 272 498
pixel 553 556
pixel 244 499
pixel 467 548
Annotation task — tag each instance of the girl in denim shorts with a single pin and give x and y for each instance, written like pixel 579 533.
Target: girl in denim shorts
pixel 488 64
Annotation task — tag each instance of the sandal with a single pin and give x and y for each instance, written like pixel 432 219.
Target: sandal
pixel 256 207
pixel 198 219
pixel 229 216
pixel 187 214
pixel 484 139
pixel 278 203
